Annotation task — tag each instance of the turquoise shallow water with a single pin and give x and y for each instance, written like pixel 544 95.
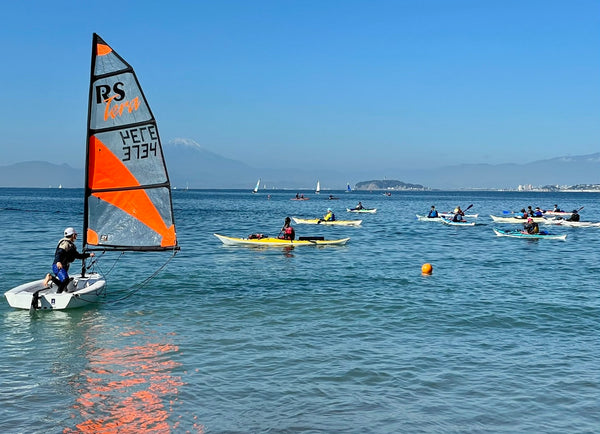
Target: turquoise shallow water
pixel 502 337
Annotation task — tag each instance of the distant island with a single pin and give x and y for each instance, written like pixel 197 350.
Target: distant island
pixel 388 184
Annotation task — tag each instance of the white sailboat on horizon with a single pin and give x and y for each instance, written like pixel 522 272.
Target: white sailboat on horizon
pixel 257 185
pixel 318 190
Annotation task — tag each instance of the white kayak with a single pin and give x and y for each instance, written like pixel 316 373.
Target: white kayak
pixel 579 224
pixel 424 218
pixel 278 242
pixel 519 234
pixel 326 223
pixel 365 210
pixel 453 223
pixel 81 291
pixel 515 220
pixel 451 214
pixel 557 213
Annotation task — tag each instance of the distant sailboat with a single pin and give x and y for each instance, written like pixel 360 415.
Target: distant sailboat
pixel 348 189
pixel 318 190
pixel 257 185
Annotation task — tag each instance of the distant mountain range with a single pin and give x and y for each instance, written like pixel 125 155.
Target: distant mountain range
pixel 192 166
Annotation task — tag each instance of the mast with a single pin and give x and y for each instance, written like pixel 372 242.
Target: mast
pixel 86 188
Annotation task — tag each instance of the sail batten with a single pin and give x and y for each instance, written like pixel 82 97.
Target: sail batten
pixel 128 194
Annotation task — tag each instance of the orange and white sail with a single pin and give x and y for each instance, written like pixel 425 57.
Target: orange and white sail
pixel 128 204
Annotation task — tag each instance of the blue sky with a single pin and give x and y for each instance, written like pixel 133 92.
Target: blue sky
pixel 355 84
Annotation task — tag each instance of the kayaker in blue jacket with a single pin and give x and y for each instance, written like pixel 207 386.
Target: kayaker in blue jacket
pixel 521 214
pixel 432 212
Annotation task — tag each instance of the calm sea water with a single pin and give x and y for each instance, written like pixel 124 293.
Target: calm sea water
pixel 504 336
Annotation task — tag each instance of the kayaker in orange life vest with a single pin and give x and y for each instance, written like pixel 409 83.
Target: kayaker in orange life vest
pixel 287 231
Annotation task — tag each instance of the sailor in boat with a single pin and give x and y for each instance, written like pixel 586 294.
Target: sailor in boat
pixel 66 252
pixel 432 212
pixel 287 231
pixel 531 227
pixel 458 215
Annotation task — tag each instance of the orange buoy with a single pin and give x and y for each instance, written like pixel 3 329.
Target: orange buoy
pixel 427 268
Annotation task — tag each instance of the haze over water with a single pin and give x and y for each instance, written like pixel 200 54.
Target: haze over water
pixel 502 337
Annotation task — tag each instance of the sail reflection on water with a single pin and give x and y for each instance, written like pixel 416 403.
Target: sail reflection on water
pixel 129 388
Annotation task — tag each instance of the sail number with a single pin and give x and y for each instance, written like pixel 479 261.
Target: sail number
pixel 139 142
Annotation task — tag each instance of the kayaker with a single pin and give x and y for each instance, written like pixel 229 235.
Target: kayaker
pixel 531 227
pixel 432 212
pixel 574 217
pixel 521 214
pixel 66 252
pixel 329 216
pixel 538 212
pixel 359 206
pixel 287 231
pixel 458 215
pixel 556 208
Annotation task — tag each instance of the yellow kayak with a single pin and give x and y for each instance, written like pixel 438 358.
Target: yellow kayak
pixel 270 241
pixel 327 223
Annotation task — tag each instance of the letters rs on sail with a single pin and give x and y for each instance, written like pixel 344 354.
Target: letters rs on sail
pixel 139 142
pixel 115 104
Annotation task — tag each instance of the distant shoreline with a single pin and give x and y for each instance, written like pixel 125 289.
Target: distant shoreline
pixel 308 190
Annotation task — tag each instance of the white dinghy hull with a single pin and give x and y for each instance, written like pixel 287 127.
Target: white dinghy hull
pixel 82 291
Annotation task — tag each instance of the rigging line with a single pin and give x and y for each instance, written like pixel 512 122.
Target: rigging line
pixel 95 264
pixel 133 289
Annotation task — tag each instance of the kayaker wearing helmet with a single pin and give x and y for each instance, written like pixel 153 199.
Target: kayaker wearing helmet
pixel 66 252
pixel 329 216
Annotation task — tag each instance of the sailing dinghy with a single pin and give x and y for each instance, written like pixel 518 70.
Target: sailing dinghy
pixel 257 186
pixel 127 192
